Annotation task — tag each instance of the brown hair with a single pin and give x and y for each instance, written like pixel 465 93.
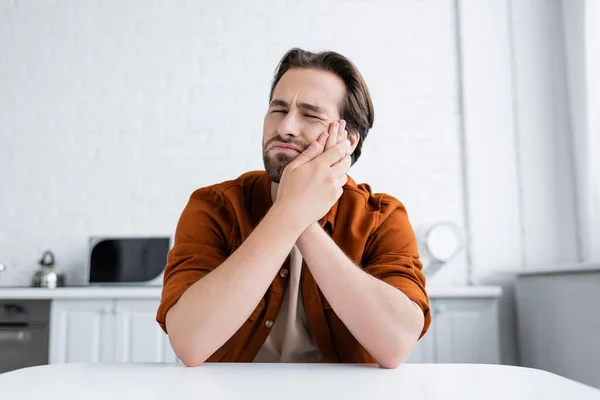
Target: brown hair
pixel 357 108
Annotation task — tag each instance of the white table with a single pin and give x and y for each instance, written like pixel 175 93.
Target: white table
pixel 148 381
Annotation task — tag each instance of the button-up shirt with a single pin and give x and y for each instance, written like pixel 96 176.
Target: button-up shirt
pixel 373 230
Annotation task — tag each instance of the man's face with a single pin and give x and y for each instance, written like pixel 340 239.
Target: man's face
pixel 305 102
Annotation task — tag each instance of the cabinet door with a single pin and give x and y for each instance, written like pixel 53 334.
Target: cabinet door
pixel 81 331
pixel 424 351
pixel 466 331
pixel 138 335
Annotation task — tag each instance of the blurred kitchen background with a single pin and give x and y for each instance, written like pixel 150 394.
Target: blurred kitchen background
pixel 486 127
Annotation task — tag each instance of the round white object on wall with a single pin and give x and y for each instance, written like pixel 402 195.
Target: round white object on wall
pixel 443 241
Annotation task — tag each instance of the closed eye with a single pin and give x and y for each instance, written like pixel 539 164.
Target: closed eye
pixel 313 117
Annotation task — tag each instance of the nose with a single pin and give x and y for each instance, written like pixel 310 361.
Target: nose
pixel 289 126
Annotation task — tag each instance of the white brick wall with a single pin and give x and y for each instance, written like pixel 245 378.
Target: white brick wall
pixel 112 113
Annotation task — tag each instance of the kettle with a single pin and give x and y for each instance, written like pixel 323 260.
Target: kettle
pixel 47 277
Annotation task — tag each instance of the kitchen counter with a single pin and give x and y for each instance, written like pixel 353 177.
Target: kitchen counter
pixel 560 269
pixel 151 292
pixel 83 292
pixel 290 381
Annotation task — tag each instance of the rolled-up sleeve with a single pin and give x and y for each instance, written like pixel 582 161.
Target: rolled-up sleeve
pixel 392 256
pixel 200 246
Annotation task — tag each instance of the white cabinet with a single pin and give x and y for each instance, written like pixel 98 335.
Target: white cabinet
pixel 108 330
pixel 424 351
pixel 81 331
pixel 466 331
pixel 138 336
pixel 463 330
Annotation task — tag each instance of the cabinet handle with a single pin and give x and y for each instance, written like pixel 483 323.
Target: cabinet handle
pixel 15 336
pixel 440 309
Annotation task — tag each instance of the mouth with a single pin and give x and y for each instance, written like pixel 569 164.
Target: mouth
pixel 286 148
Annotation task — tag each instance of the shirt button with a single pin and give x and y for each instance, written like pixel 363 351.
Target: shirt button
pixel 269 324
pixel 283 273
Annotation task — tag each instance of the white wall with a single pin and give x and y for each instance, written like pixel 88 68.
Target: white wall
pixel 114 112
pixel 582 36
pixel 518 139
pixel 544 134
pixel 593 78
pixel 492 167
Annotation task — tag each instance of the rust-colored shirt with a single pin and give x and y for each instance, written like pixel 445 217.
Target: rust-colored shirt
pixel 372 229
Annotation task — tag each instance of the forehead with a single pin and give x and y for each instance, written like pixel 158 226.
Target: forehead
pixel 302 85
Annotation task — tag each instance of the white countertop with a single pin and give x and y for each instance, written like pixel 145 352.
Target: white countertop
pixel 463 291
pixel 560 269
pixel 288 381
pixel 154 292
pixel 83 292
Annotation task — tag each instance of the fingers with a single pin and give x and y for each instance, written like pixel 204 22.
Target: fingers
pixel 337 133
pixel 342 133
pixel 336 153
pixel 313 150
pixel 341 167
pixel 333 135
pixel 322 139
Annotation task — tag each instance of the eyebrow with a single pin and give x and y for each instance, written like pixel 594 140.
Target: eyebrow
pixel 306 106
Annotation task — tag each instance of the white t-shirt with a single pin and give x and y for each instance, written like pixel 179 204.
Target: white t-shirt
pixel 290 340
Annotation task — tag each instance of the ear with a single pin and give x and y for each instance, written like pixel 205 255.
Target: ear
pixel 354 138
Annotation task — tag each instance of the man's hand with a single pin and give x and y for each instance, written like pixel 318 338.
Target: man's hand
pixel 313 182
pixel 337 133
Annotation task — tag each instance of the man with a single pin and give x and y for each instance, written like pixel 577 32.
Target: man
pixel 298 263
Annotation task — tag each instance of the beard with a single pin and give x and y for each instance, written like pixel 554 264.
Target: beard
pixel 276 163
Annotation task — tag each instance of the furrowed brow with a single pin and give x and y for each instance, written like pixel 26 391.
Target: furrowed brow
pixel 278 103
pixel 312 107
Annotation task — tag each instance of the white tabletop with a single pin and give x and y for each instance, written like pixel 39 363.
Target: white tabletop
pixel 287 381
